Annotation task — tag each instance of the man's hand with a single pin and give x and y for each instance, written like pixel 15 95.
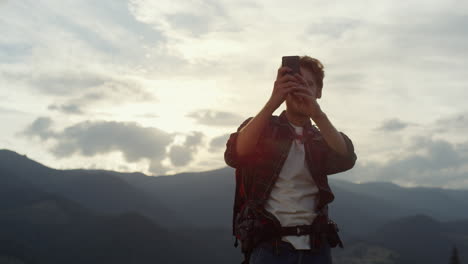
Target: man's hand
pixel 284 84
pixel 305 99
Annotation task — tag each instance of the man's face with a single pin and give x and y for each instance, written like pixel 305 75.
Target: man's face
pixel 307 75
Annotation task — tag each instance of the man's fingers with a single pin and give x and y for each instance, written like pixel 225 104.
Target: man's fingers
pixel 302 89
pixel 300 78
pixel 287 88
pixel 288 77
pixel 286 83
pixel 290 84
pixel 292 91
pixel 282 71
pixel 299 94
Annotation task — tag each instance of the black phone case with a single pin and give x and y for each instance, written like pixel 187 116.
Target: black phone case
pixel 292 62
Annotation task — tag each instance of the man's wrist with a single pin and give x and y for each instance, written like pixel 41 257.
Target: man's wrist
pixel 318 116
pixel 269 108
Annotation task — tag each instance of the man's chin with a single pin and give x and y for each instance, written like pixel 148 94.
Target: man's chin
pixel 293 110
pixel 298 113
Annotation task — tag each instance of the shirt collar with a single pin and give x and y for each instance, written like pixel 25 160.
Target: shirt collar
pixel 284 120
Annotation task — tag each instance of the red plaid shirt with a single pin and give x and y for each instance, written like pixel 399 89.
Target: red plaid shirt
pixel 257 172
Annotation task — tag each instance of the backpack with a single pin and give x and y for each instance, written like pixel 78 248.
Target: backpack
pixel 252 225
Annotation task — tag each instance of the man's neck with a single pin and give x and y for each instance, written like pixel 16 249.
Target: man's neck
pixel 297 120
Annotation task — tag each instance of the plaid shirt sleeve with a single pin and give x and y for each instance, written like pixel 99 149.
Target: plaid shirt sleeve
pixel 230 154
pixel 337 162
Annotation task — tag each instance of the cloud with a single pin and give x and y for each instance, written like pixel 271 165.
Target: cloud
pixel 104 28
pixel 215 118
pixel 346 78
pixel 95 84
pixel 194 18
pixel 90 138
pixel 206 34
pixel 110 92
pixel 181 155
pixel 433 154
pixel 135 142
pixel 426 162
pixel 194 139
pixel 332 26
pixel 41 127
pixel 458 122
pixel 77 91
pixel 9 111
pixel 393 124
pixel 67 109
pixel 64 82
pixel 218 142
pixel 99 47
pixel 10 52
pixel 148 115
pixel 194 25
pixel 346 81
pixel 440 29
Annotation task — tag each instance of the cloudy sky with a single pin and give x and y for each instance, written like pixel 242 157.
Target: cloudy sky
pixel 158 86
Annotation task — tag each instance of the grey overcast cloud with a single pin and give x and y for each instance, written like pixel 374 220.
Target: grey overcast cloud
pixel 158 86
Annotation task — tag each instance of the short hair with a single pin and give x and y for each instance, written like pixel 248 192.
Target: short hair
pixel 315 66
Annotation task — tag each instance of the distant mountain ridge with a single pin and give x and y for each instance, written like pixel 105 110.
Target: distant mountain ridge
pixel 85 210
pixel 97 190
pixel 194 195
pixel 48 228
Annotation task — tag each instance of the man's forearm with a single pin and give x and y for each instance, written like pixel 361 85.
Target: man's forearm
pixel 249 135
pixel 329 132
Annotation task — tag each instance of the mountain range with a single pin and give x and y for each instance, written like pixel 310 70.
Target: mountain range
pixel 97 216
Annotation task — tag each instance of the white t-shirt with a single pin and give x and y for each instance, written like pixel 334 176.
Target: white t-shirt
pixel 293 197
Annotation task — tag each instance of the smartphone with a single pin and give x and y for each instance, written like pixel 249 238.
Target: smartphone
pixel 292 62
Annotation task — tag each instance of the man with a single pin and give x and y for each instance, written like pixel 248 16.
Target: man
pixel 282 163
